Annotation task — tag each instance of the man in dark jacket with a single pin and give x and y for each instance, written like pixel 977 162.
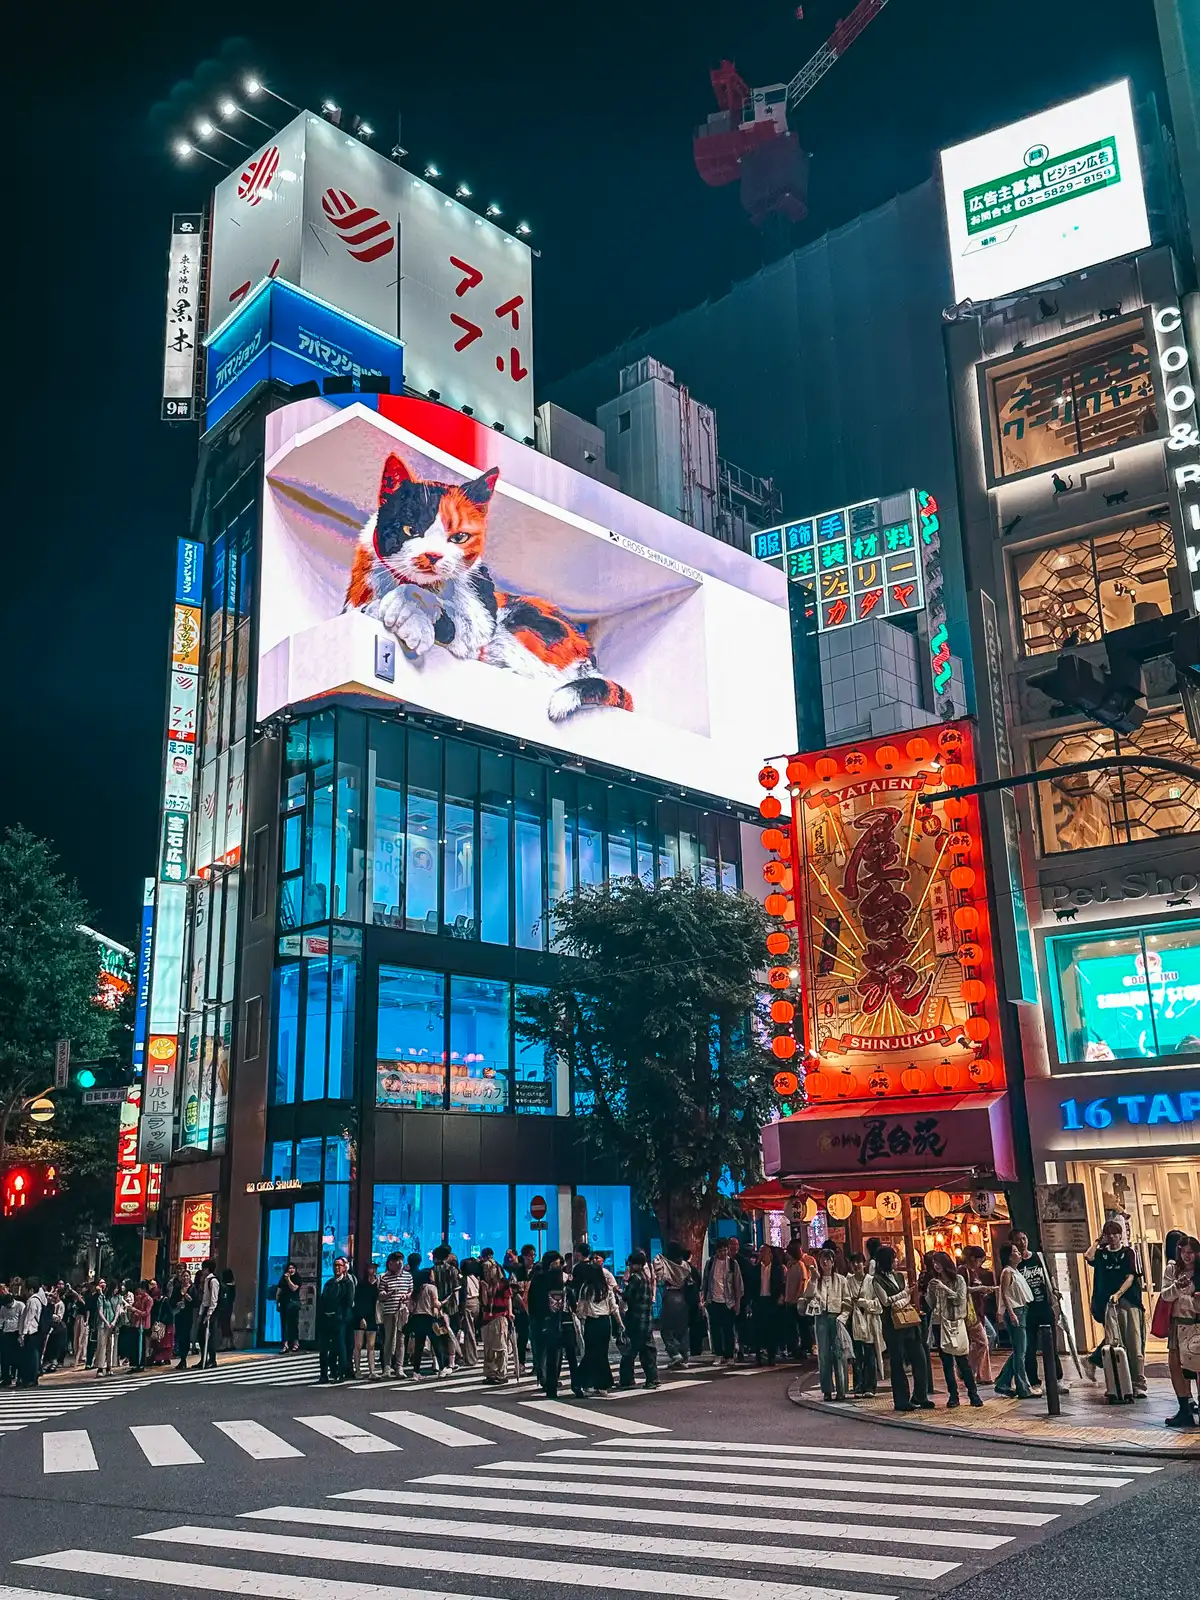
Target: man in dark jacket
pixel 639 1309
pixel 335 1307
pixel 767 1280
pixel 551 1311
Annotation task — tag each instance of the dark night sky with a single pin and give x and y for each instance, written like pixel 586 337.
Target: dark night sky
pixel 578 118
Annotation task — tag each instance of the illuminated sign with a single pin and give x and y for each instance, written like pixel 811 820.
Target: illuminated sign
pixel 273 1185
pixel 1131 1110
pixel 183 317
pixel 145 943
pixel 282 333
pixel 898 976
pixel 117 970
pixel 195 1234
pixel 1046 196
pixel 1183 443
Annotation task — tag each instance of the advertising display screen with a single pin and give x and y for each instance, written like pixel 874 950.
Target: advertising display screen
pixel 1135 993
pixel 1051 194
pixel 321 210
pixel 410 554
pixel 898 975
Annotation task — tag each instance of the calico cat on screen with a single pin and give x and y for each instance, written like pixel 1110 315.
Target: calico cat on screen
pixel 419 569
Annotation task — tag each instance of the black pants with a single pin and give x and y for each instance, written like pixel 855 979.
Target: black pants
pixel 291 1324
pixel 904 1344
pixel 331 1347
pixel 557 1341
pixel 765 1327
pixel 10 1358
pixel 420 1328
pixel 720 1330
pixel 647 1354
pixel 866 1368
pixel 521 1329
pixel 208 1340
pixel 29 1363
pixel 596 1372
pixel 183 1334
pixel 1038 1315
pixel 949 1363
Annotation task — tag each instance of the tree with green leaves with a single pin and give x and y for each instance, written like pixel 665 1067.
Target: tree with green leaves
pixel 657 1013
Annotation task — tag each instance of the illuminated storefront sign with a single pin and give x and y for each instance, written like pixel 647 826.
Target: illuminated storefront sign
pixel 1132 1110
pixel 1127 1110
pixel 1183 443
pixel 897 970
pixel 183 317
pixel 195 1234
pixel 145 944
pixel 1128 993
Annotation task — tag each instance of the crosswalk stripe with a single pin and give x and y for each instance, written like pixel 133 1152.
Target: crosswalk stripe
pixel 686 1517
pixel 69 1451
pixel 611 1452
pixel 562 1573
pixel 258 1442
pixel 1033 1497
pixel 560 1408
pixel 349 1436
pixel 7 1592
pixel 635 1393
pixel 770 1503
pixel 432 1428
pixel 164 1446
pixel 516 1424
pixel 643 1544
pixel 839 1454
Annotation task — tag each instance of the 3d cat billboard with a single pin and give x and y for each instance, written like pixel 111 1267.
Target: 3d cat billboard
pixel 410 554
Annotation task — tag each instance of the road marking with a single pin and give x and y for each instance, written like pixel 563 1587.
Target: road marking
pixel 685 1517
pixel 432 1428
pixel 636 1393
pixel 164 1446
pixel 773 1504
pixel 562 1573
pixel 69 1451
pixel 560 1408
pixel 806 1450
pixel 258 1442
pixel 7 1592
pixel 516 1424
pixel 349 1436
pixel 643 1544
pixel 846 1485
pixel 611 1451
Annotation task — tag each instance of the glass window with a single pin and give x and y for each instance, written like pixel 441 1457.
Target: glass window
pixel 335 1226
pixel 545 1237
pixel 709 850
pixel 319 842
pixel 529 806
pixel 689 843
pixel 645 823
pixel 280 1163
pixel 291 897
pixel 316 1013
pixel 386 763
pixel 293 842
pixel 421 867
pixel 591 832
pixel 458 841
pixel 295 759
pixel 478 1218
pixel 479 1044
pixel 560 836
pixel 411 1049
pixel 1130 996
pixel 535 1072
pixel 343 991
pixel 276 1247
pixel 287 1032
pixel 405 1217
pixel 308 1160
pixel 337 1160
pixel 1090 810
pixel 1091 392
pixel 620 836
pixel 609 1221
pixel 350 837
pixel 668 838
pixel 1074 593
pixel 495 826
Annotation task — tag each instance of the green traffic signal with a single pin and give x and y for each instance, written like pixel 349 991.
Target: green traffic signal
pixel 85 1078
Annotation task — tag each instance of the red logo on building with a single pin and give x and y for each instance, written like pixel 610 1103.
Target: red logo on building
pixel 256 180
pixel 366 234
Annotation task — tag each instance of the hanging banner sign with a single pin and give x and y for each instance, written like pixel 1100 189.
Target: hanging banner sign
pixel 183 317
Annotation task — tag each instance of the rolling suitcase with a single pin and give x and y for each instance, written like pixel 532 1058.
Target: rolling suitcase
pixel 1118 1385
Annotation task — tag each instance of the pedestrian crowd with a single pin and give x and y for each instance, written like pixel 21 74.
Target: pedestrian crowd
pixel 107 1325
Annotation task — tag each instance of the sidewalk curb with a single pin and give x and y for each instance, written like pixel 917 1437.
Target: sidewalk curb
pixel 798 1397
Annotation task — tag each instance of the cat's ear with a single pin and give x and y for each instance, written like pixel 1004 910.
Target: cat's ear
pixel 394 474
pixel 479 490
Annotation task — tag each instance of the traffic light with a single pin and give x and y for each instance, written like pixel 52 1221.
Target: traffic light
pixel 23 1187
pixel 87 1074
pixel 85 1078
pixel 1079 685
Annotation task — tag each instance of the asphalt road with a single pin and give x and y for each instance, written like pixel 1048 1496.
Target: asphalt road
pixel 718 1489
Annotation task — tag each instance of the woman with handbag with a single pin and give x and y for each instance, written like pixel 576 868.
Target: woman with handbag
pixel 596 1306
pixel 1013 1298
pixel 829 1302
pixel 1181 1297
pixel 947 1299
pixel 866 1328
pixel 901 1332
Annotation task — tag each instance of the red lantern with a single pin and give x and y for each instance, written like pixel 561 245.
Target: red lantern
pixel 785 1083
pixel 955 809
pixel 966 918
pixel 785 849
pixel 797 772
pixel 776 904
pixel 783 1046
pixel 845 1085
pixel 948 1076
pixel 782 1011
pixel 962 877
pixel 768 777
pixel 825 767
pixel 775 872
pixel 769 807
pixel 778 944
pixel 879 1083
pixel 779 977
pixel 817 1085
pixel 973 991
pixel 949 739
pixel 855 761
pixel 887 756
pixel 960 841
pixel 954 775
pixel 970 954
pixel 977 1029
pixel 914 1079
pixel 918 749
pixel 773 838
pixel 981 1071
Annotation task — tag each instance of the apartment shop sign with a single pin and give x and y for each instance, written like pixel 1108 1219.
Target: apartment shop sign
pixel 1183 442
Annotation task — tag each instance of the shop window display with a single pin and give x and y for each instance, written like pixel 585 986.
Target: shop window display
pixel 1075 592
pixel 1134 995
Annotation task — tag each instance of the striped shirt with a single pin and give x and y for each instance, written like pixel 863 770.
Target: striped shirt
pixel 395 1290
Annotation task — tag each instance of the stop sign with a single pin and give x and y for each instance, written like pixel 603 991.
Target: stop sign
pixel 537 1207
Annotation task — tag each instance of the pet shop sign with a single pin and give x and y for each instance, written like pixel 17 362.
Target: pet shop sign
pixel 1183 442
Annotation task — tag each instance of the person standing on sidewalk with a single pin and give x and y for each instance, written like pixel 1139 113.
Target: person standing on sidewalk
pixel 946 1297
pixel 36 1303
pixel 495 1315
pixel 206 1307
pixel 366 1321
pixel 395 1305
pixel 901 1333
pixel 866 1327
pixel 139 1320
pixel 1181 1292
pixel 1041 1313
pixel 551 1310
pixel 12 1314
pixel 721 1296
pixel 829 1301
pixel 1013 1299
pixel 981 1289
pixel 1117 1299
pixel 672 1271
pixel 335 1308
pixel 638 1301
pixel 287 1298
pixel 108 1315
pixel 795 1295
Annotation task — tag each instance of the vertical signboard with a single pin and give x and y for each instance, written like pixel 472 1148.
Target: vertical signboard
pixel 156 1133
pixel 183 317
pixel 145 941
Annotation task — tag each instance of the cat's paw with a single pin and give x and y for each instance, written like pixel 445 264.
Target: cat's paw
pixel 411 614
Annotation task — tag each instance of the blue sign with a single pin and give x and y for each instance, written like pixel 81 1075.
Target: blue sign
pixel 143 976
pixel 1130 1110
pixel 189 573
pixel 283 333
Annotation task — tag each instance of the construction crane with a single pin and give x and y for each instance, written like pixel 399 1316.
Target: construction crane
pixel 748 140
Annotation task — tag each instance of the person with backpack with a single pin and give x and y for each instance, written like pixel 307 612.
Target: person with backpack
pixel 721 1293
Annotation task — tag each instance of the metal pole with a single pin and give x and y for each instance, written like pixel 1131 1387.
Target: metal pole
pixel 1047 1343
pixel 1072 769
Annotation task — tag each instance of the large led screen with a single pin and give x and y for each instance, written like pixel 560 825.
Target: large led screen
pixel 1051 194
pixel 412 555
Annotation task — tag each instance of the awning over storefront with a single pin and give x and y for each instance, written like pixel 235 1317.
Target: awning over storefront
pixel 767 1196
pixel 965 1138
